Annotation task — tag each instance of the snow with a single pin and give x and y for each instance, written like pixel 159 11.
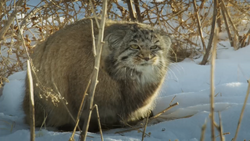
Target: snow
pixel 187 81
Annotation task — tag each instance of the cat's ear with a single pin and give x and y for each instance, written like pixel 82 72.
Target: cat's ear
pixel 166 38
pixel 115 38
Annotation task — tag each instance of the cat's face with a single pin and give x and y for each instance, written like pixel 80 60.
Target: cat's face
pixel 143 49
pixel 138 50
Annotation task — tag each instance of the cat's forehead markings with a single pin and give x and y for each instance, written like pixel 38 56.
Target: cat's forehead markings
pixel 157 41
pixel 144 34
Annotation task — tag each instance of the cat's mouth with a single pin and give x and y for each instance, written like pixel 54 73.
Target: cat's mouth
pixel 146 63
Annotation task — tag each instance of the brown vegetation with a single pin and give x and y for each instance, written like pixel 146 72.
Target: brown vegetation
pixel 178 18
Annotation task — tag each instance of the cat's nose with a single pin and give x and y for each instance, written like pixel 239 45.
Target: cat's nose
pixel 146 58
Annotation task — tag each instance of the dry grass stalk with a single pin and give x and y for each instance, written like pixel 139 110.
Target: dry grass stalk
pixel 235 43
pixel 99 121
pixel 32 103
pixel 227 27
pixel 35 10
pixel 199 25
pixel 219 22
pixel 165 110
pixel 209 46
pixel 1 91
pixel 172 100
pixel 226 133
pixel 242 111
pixel 243 40
pixel 203 130
pixel 130 9
pixel 229 17
pixel 97 23
pixel 79 112
pixel 93 35
pixel 128 130
pixel 212 86
pixel 222 138
pixel 145 126
pixel 150 119
pixel 63 102
pixel 23 40
pixel 30 79
pixel 235 4
pixel 94 78
pixel 248 42
pixel 10 20
pixel 138 11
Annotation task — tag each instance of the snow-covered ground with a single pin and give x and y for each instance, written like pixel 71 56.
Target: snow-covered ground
pixel 187 81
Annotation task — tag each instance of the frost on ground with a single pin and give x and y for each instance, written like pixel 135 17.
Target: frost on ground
pixel 187 81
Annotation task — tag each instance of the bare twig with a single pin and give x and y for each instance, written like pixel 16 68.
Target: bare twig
pixel 221 128
pixel 32 109
pixel 10 20
pixel 235 43
pixel 93 11
pixel 209 46
pixel 95 73
pixel 170 107
pixel 93 36
pixel 138 11
pixel 203 130
pixel 242 111
pixel 145 126
pixel 229 17
pixel 33 12
pixel 79 112
pixel 172 100
pixel 130 9
pixel 239 8
pixel 160 113
pixel 227 27
pixel 199 25
pixel 1 91
pixel 99 121
pixel 63 102
pixel 219 22
pixel 23 41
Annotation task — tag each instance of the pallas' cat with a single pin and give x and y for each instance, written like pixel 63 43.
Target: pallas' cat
pixel 133 64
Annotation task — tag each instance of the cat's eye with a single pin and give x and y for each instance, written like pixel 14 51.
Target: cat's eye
pixel 155 47
pixel 134 47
